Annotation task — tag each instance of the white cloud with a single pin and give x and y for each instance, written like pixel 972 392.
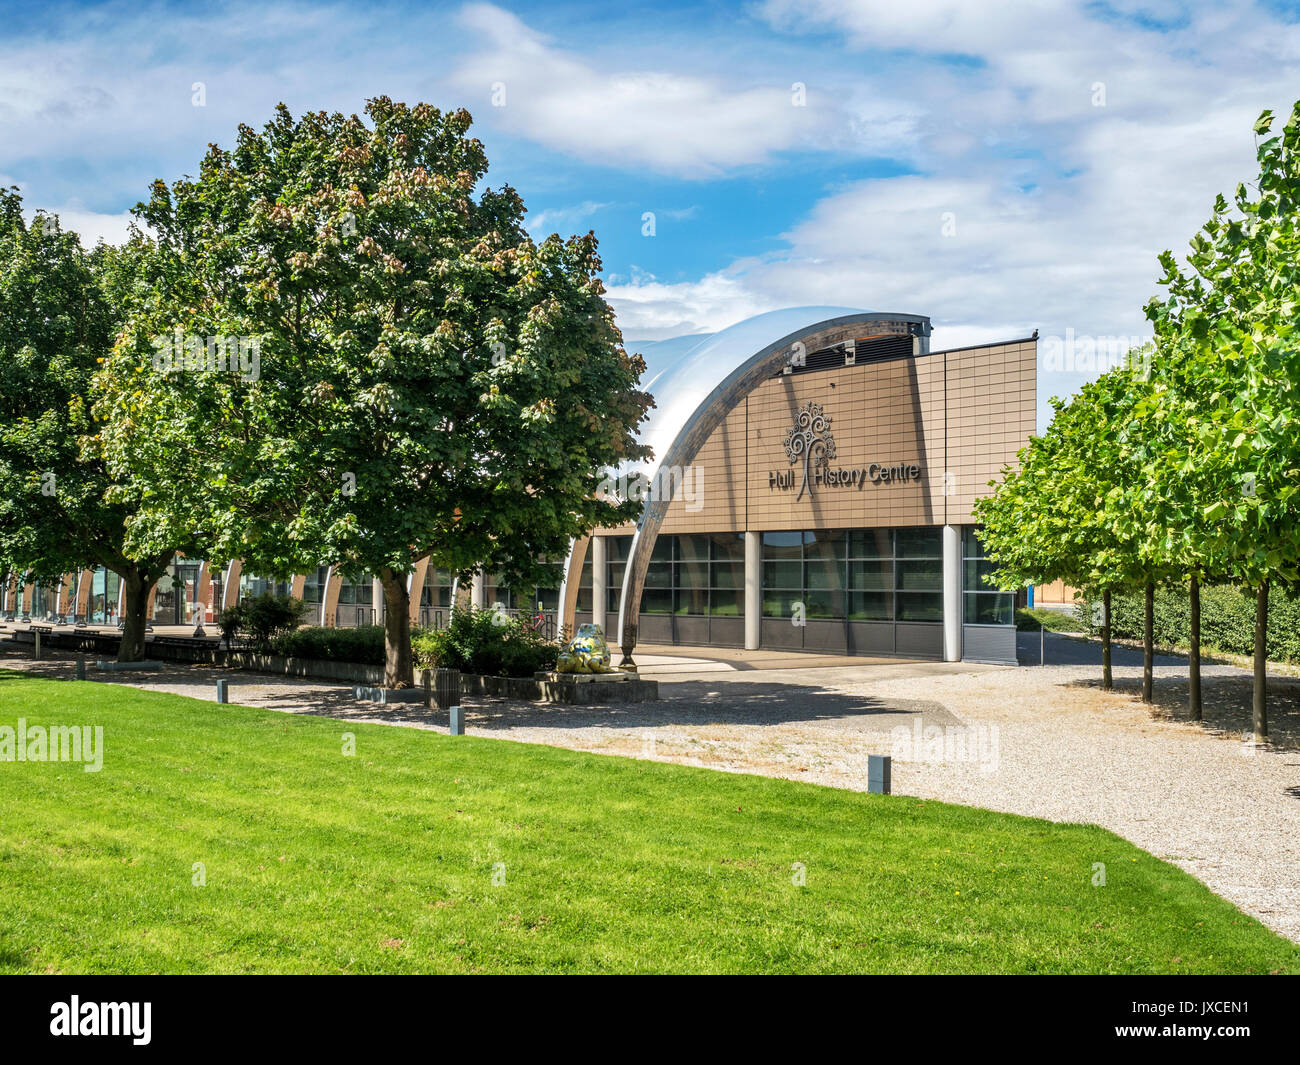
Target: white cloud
pixel 555 218
pixel 93 226
pixel 683 124
pixel 649 309
pixel 1060 206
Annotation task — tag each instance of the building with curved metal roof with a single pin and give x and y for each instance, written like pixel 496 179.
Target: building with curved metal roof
pixel 811 485
pixel 811 488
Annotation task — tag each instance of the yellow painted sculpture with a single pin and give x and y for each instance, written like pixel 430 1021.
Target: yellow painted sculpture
pixel 587 652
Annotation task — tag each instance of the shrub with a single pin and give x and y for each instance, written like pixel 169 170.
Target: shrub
pixel 1227 618
pixel 262 618
pixel 487 642
pixel 364 644
pixel 1033 619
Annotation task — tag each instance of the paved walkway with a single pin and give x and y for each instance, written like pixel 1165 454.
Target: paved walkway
pixel 1045 742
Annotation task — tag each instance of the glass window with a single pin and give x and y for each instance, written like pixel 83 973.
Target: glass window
pixel 728 547
pixel 924 542
pixel 782 574
pixel 920 606
pixel 780 604
pixel 437 588
pixel 982 602
pixel 727 602
pixel 871 606
pixel 584 585
pixel 871 575
pixel 657 601
pixel 313 589
pixel 919 575
pixel 976 577
pixel 871 543
pixel 990 609
pixel 783 545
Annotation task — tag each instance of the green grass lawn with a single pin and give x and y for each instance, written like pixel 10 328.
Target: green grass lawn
pixel 384 862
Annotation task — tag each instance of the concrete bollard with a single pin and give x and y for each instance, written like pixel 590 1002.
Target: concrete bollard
pixel 223 691
pixel 878 773
pixel 457 721
pixel 81 669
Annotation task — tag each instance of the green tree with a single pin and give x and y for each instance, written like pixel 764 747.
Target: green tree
pixel 1064 512
pixel 59 308
pixel 1228 322
pixel 428 379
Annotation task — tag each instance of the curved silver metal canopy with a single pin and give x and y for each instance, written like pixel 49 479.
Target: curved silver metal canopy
pixel 696 382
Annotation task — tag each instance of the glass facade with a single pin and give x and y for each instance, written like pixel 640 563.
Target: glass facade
pixel 313 588
pixel 584 584
pixel 690 575
pixel 541 596
pixel 982 602
pixel 854 575
pixel 105 588
pixel 436 594
pixel 251 586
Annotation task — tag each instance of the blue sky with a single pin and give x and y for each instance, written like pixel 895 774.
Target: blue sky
pixel 1002 167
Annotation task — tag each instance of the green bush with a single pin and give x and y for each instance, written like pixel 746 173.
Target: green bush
pixel 1227 618
pixel 262 618
pixel 483 641
pixel 1035 618
pixel 364 645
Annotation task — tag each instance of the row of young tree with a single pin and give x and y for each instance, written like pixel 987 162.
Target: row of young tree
pixel 335 346
pixel 1183 465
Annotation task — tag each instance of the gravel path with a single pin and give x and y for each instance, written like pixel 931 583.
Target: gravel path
pixel 1044 742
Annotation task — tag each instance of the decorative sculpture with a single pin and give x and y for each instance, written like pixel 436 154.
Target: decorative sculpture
pixel 587 652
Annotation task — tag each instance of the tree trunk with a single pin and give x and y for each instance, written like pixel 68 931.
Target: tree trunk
pixel 1107 677
pixel 1148 641
pixel 1194 653
pixel 399 669
pixel 1260 697
pixel 135 601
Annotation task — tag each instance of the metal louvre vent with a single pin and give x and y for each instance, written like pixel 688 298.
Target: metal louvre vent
pixel 863 350
pixel 878 349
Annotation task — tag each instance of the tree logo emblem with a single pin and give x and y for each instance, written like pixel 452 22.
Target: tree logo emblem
pixel 810 439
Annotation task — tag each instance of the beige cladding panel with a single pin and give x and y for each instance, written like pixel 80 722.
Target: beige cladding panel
pixel 888 413
pixel 992 411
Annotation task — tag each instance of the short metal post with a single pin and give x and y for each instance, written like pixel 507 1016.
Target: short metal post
pixel 1042 645
pixel 81 669
pixel 428 689
pixel 36 652
pixel 878 773
pixel 457 721
pixel 223 691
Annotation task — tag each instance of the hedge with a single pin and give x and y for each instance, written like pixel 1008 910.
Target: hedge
pixel 1227 618
pixel 364 644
